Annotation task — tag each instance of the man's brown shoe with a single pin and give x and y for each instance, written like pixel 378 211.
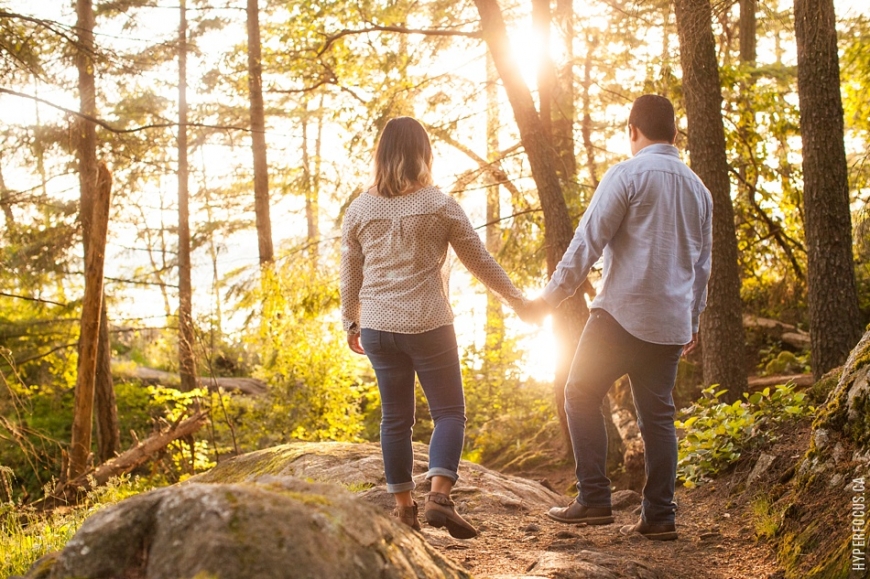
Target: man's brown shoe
pixel 407 516
pixel 440 512
pixel 652 531
pixel 578 514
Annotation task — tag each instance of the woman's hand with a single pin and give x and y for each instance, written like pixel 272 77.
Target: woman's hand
pixel 353 342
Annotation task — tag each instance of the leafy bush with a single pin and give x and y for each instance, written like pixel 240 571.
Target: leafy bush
pixel 716 433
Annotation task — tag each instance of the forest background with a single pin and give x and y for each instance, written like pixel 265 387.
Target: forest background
pixel 223 237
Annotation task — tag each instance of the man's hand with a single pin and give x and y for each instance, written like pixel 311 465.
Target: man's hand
pixel 534 311
pixel 353 342
pixel 687 349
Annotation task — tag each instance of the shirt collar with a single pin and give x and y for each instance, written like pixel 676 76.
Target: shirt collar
pixel 659 149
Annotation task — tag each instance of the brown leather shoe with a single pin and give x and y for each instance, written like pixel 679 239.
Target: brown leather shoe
pixel 652 531
pixel 407 516
pixel 578 514
pixel 440 512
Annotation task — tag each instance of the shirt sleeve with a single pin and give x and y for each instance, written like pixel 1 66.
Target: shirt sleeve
pixel 598 225
pixel 351 274
pixel 702 267
pixel 473 254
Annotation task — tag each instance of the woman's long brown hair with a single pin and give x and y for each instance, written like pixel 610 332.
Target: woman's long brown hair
pixel 403 157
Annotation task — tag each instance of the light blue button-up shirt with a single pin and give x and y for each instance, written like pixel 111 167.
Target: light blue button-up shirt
pixel 651 217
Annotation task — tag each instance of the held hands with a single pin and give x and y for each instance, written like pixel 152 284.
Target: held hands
pixel 533 311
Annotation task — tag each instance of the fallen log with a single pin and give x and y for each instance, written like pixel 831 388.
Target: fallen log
pixel 785 333
pixel 252 386
pixel 71 491
pixel 800 380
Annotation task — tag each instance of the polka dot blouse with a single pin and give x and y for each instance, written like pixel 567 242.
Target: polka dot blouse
pixel 392 256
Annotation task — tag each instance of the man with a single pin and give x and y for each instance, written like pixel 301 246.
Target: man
pixel 651 218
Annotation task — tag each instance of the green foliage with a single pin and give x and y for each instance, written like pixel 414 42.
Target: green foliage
pixel 505 410
pixel 26 535
pixel 715 433
pixel 784 362
pixel 765 517
pixel 318 389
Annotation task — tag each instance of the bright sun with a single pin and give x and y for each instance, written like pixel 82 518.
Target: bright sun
pixel 540 347
pixel 527 48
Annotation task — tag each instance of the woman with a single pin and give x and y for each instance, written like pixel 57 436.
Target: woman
pixel 395 310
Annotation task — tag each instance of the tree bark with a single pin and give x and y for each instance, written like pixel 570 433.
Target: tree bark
pixel 258 137
pixel 80 446
pixel 721 327
pixel 831 292
pixel 494 311
pixel 569 319
pixel 563 110
pixel 186 339
pixel 102 390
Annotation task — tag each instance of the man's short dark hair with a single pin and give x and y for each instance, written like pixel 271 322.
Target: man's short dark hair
pixel 654 116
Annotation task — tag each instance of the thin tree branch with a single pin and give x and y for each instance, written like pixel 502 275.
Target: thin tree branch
pixel 774 229
pixel 113 129
pixel 400 29
pixel 32 299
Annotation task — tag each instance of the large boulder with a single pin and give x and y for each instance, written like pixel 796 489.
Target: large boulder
pixel 822 512
pixel 271 527
pixel 360 468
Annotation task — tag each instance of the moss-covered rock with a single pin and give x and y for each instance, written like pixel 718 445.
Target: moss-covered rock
pixel 815 538
pixel 275 527
pixel 360 468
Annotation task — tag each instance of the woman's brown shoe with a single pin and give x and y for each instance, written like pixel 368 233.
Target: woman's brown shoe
pixel 407 516
pixel 440 512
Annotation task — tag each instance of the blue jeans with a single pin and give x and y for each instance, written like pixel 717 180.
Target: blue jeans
pixel 434 358
pixel 605 353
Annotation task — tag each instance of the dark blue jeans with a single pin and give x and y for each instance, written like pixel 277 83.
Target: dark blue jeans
pixel 433 357
pixel 605 353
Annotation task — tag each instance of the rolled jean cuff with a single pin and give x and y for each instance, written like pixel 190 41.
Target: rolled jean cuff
pixel 438 471
pixel 401 487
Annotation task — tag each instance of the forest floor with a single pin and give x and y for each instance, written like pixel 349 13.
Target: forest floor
pixel 715 522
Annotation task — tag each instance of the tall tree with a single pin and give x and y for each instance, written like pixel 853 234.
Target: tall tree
pixel 831 293
pixel 80 445
pixel 558 230
pixel 721 324
pixel 258 136
pixel 494 311
pixel 186 358
pixel 100 391
pixel 556 84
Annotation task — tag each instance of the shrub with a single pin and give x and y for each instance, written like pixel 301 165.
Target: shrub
pixel 717 433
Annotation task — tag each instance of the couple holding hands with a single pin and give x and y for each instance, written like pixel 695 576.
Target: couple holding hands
pixel 651 220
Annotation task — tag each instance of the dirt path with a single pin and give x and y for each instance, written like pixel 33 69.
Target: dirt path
pixel 715 521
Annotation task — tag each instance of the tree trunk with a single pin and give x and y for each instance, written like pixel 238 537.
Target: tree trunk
pixel 258 137
pixel 721 327
pixel 748 28
pixel 571 316
pixel 586 124
pixel 831 293
pixel 186 339
pixel 105 405
pixel 102 391
pixel 310 184
pixel 563 110
pixel 80 446
pixel 494 311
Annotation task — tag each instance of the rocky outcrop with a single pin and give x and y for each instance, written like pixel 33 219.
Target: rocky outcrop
pixel 272 527
pixel 815 537
pixel 359 468
pixel 287 512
